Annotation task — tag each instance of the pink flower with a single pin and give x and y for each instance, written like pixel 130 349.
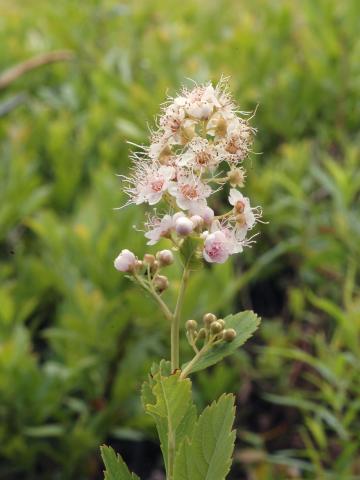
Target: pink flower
pixel 199 155
pixel 159 228
pixel 189 191
pixel 149 182
pixel 216 247
pixel 125 261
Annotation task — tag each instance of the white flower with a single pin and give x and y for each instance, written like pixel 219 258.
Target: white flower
pixel 125 261
pixel 234 147
pixel 159 228
pixel 201 102
pixel 244 216
pixel 160 150
pixel 189 191
pixel 199 155
pixel 149 182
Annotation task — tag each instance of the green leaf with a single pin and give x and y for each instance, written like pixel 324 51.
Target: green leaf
pixel 172 408
pixel 207 455
pixel 164 368
pixel 245 324
pixel 189 252
pixel 116 468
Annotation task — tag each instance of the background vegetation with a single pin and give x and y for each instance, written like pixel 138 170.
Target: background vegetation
pixel 76 338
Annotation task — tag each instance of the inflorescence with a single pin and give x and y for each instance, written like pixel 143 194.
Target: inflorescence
pixel 199 148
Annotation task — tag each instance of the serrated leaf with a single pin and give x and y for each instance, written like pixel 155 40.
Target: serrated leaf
pixel 189 253
pixel 116 468
pixel 245 324
pixel 164 368
pixel 173 411
pixel 207 455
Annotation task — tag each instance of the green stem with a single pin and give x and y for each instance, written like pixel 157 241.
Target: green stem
pixel 193 361
pixel 149 288
pixel 175 325
pixel 212 342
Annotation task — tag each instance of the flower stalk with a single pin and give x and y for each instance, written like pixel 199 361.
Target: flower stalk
pixel 175 326
pixel 200 144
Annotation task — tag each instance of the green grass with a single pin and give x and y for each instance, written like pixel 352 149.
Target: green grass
pixel 75 339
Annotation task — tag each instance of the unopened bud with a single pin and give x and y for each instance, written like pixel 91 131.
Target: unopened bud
pixel 236 177
pixel 221 127
pixel 184 226
pixel 222 323
pixel 208 318
pixel 191 325
pixel 125 261
pixel 197 221
pixel 229 335
pixel 139 265
pixel 165 155
pixel 149 259
pixel 216 327
pixel 186 134
pixel 202 334
pixel 161 283
pixel 208 215
pixel 178 215
pixel 154 267
pixel 165 258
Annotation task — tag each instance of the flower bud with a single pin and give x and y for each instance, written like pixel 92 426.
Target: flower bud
pixel 139 265
pixel 178 215
pixel 183 226
pixel 221 127
pixel 229 335
pixel 186 134
pixel 236 177
pixel 165 258
pixel 154 267
pixel 208 215
pixel 149 259
pixel 161 283
pixel 165 155
pixel 202 334
pixel 197 221
pixel 222 323
pixel 208 318
pixel 216 327
pixel 191 325
pixel 125 261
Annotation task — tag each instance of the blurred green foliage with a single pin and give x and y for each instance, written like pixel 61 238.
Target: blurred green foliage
pixel 76 338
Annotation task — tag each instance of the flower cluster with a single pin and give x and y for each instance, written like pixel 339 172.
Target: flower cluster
pixel 213 331
pixel 199 147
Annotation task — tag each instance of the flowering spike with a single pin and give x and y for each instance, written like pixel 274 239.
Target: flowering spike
pixel 199 147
